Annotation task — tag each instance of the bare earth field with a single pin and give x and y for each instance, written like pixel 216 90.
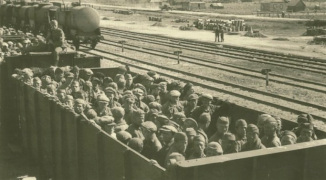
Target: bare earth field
pixel 291 30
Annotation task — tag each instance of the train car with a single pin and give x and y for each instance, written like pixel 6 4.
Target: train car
pixel 80 24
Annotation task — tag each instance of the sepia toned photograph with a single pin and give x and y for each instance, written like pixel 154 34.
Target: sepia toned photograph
pixel 163 90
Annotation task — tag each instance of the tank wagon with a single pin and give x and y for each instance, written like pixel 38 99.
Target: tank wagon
pixel 80 24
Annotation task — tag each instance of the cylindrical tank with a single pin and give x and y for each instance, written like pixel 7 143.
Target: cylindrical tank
pixel 31 15
pixel 41 14
pixel 83 19
pixel 23 13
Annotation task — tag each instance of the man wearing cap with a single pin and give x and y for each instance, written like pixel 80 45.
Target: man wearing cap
pixel 253 140
pixel 138 117
pixel 69 101
pixel 139 95
pixel 288 137
pixel 76 91
pixel 161 120
pixel 102 108
pixel 229 144
pixel 37 83
pixel 136 144
pixel 191 133
pixel 304 118
pixel 240 132
pixel 129 82
pixel 123 136
pixel 55 40
pixel 198 148
pixel 151 143
pixel 69 78
pixel 307 130
pixel 203 123
pixel 111 93
pixel 76 71
pixel 79 106
pixel 62 95
pixel 213 149
pixel 27 76
pixel 260 123
pixel 222 126
pixel 206 106
pixel 166 135
pixel 179 145
pixel 270 138
pixel 108 125
pixel 118 114
pixel 190 123
pixel 190 105
pixel 129 106
pixel 173 105
pixel 96 91
pixel 155 91
pixel 179 118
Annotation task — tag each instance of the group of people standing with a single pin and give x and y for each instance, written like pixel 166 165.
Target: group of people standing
pixel 162 119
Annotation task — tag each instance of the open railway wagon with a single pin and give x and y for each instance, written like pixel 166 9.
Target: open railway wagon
pixel 80 24
pixel 67 146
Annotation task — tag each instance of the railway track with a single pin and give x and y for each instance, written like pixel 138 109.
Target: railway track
pixel 310 85
pixel 238 91
pixel 308 65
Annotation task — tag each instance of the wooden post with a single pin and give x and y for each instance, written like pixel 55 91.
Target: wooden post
pixel 266 73
pixel 178 54
pixel 122 43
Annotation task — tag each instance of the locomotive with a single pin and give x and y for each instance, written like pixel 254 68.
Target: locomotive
pixel 80 24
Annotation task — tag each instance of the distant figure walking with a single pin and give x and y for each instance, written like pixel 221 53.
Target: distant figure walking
pixel 283 14
pixel 222 34
pixel 217 34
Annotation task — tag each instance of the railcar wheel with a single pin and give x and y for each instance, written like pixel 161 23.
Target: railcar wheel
pixel 93 44
pixel 76 43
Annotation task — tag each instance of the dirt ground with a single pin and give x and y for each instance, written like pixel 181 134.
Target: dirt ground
pixel 292 30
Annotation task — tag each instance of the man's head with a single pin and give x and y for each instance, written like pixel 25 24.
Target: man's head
pixel 75 86
pixel 288 138
pixel 180 141
pixel 229 143
pixel 192 100
pixel 129 80
pixel 222 125
pixel 148 129
pixel 54 24
pixel 138 117
pixel 206 99
pixel 166 134
pixel 213 149
pixel 136 144
pixel 252 133
pixel 118 113
pixel 199 144
pixel 174 96
pixel 204 121
pixel 79 106
pixel 61 94
pixel 240 127
pixel 37 83
pixel 307 130
pixel 102 101
pixel 191 133
pixel 270 126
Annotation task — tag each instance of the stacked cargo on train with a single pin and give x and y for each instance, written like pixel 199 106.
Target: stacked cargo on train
pixel 80 24
pixel 229 25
